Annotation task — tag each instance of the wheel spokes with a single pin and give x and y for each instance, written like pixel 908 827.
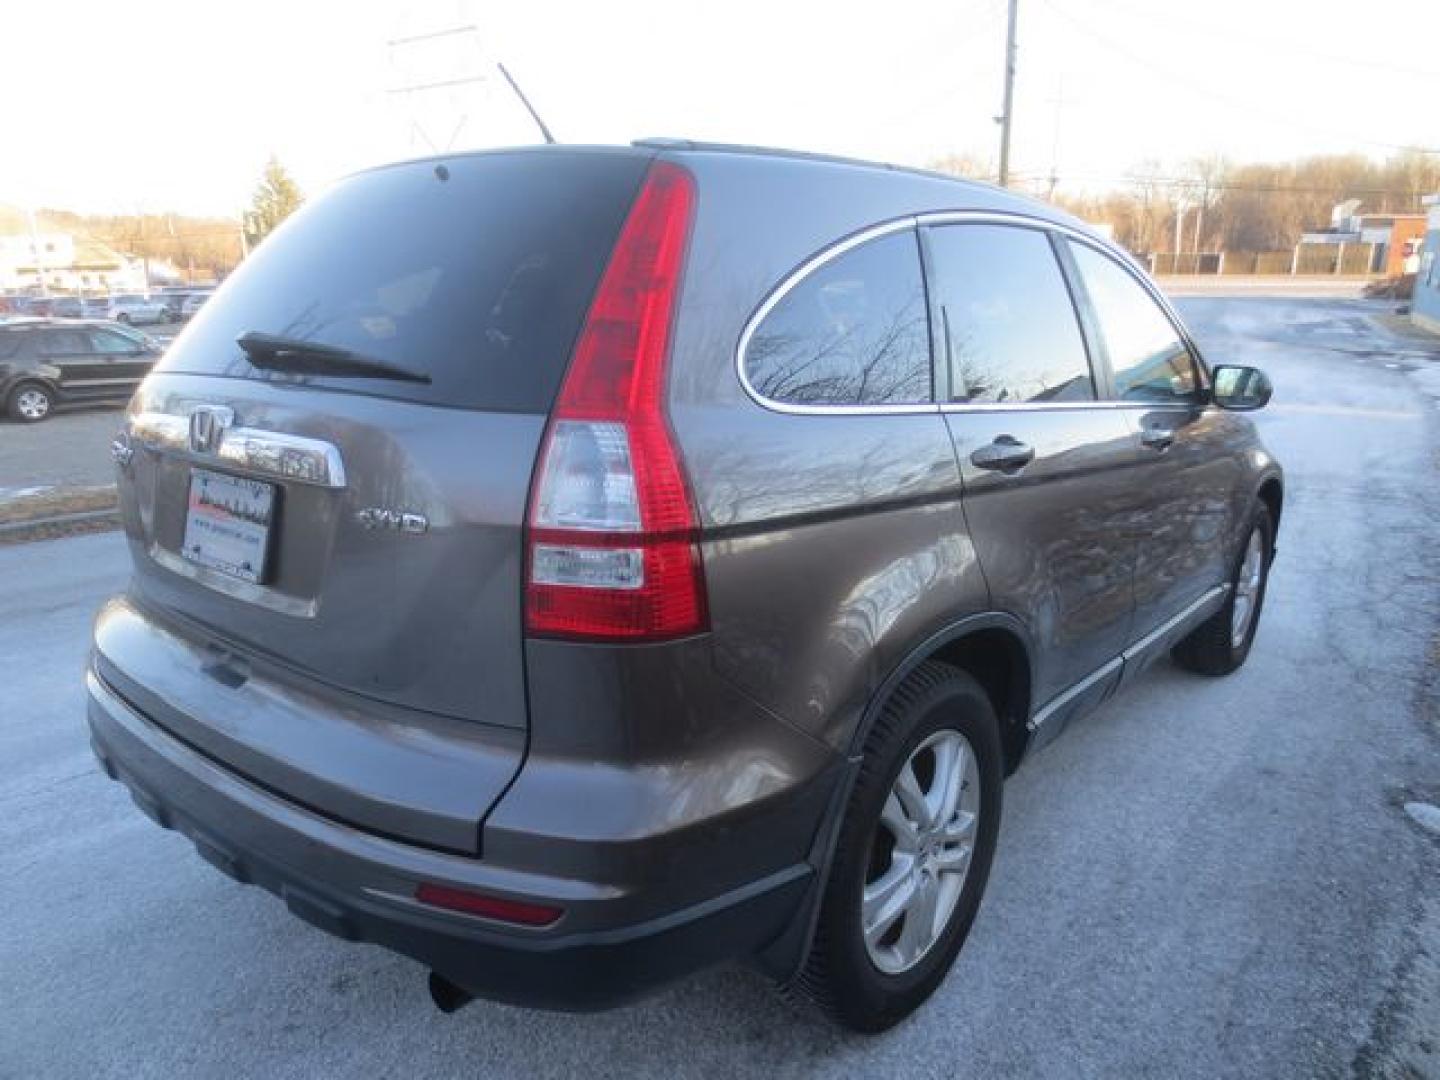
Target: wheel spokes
pixel 924 845
pixel 951 765
pixel 886 899
pixel 959 830
pixel 912 798
pixel 894 818
pixel 918 932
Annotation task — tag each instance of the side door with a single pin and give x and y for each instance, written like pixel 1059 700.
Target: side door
pixel 1042 457
pixel 78 371
pixel 124 360
pixel 1186 477
pixel 834 539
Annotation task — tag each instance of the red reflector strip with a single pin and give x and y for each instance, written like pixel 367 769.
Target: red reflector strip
pixel 490 907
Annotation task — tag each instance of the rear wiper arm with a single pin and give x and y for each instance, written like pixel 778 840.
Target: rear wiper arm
pixel 274 353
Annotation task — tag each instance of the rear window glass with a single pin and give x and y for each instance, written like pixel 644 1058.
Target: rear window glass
pixel 477 272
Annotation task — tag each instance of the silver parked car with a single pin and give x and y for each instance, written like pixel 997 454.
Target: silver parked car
pixel 135 309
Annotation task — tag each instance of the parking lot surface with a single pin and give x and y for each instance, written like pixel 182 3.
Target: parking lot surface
pixel 1207 878
pixel 70 449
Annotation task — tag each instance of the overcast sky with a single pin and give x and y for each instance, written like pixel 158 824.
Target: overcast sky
pixel 175 104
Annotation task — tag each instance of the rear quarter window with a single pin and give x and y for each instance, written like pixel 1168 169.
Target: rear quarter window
pixel 11 342
pixel 476 271
pixel 853 332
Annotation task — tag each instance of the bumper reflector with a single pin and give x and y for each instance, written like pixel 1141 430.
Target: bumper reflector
pixel 489 907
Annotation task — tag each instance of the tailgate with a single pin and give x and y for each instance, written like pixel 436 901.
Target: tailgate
pixel 391 570
pixel 330 554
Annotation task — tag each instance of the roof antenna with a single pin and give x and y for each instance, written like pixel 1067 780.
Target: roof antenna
pixel 526 102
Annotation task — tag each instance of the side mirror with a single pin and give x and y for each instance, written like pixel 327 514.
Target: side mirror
pixel 1239 388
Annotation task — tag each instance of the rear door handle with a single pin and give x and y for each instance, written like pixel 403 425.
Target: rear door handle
pixel 1005 454
pixel 1157 438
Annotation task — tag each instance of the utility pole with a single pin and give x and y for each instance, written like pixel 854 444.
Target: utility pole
pixel 1179 234
pixel 39 256
pixel 1059 102
pixel 1008 109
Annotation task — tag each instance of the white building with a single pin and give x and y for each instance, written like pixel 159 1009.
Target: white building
pixel 63 262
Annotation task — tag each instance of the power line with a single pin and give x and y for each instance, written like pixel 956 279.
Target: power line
pixel 1249 107
pixel 935 97
pixel 1223 185
pixel 1230 35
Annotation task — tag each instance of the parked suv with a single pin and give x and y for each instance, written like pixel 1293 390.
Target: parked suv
pixel 575 567
pixel 45 363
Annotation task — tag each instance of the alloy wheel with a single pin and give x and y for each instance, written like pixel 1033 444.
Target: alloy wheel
pixel 921 852
pixel 32 404
pixel 1247 589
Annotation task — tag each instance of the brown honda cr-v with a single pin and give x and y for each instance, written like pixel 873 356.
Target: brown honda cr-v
pixel 571 567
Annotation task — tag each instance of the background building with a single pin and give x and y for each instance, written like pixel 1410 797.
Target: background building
pixel 1359 243
pixel 64 262
pixel 1425 307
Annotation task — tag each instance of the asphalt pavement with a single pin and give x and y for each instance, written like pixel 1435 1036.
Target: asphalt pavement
pixel 71 449
pixel 68 450
pixel 1207 878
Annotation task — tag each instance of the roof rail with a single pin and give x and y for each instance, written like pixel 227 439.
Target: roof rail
pixel 695 145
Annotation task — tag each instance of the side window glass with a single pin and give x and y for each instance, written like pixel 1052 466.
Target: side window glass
pixel 1009 327
pixel 853 332
pixel 111 343
pixel 63 343
pixel 1148 358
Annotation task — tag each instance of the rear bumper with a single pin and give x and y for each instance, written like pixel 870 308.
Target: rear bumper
pixel 360 886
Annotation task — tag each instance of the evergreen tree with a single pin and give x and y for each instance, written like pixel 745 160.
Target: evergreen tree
pixel 276 197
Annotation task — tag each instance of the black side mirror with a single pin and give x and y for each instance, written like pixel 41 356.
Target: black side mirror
pixel 1242 389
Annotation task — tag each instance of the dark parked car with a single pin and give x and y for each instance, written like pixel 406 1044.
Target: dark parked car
pixel 44 364
pixel 575 567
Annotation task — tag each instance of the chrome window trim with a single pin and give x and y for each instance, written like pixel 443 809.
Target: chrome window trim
pixel 1020 221
pixel 241 447
pixel 786 286
pixel 1137 272
pixel 954 217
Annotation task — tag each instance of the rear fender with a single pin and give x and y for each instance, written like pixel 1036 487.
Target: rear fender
pixel 782 959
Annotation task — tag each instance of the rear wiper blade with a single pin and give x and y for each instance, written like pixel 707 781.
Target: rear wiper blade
pixel 274 353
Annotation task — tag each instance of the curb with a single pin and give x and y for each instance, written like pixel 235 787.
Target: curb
pixel 51 528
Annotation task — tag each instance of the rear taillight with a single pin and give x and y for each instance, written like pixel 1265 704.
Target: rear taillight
pixel 611 552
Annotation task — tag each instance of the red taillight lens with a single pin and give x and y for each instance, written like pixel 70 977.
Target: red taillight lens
pixel 491 907
pixel 611 552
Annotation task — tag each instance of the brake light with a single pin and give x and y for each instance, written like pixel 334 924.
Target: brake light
pixel 611 551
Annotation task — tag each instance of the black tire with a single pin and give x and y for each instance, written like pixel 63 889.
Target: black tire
pixel 18 405
pixel 1210 649
pixel 123 318
pixel 839 974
